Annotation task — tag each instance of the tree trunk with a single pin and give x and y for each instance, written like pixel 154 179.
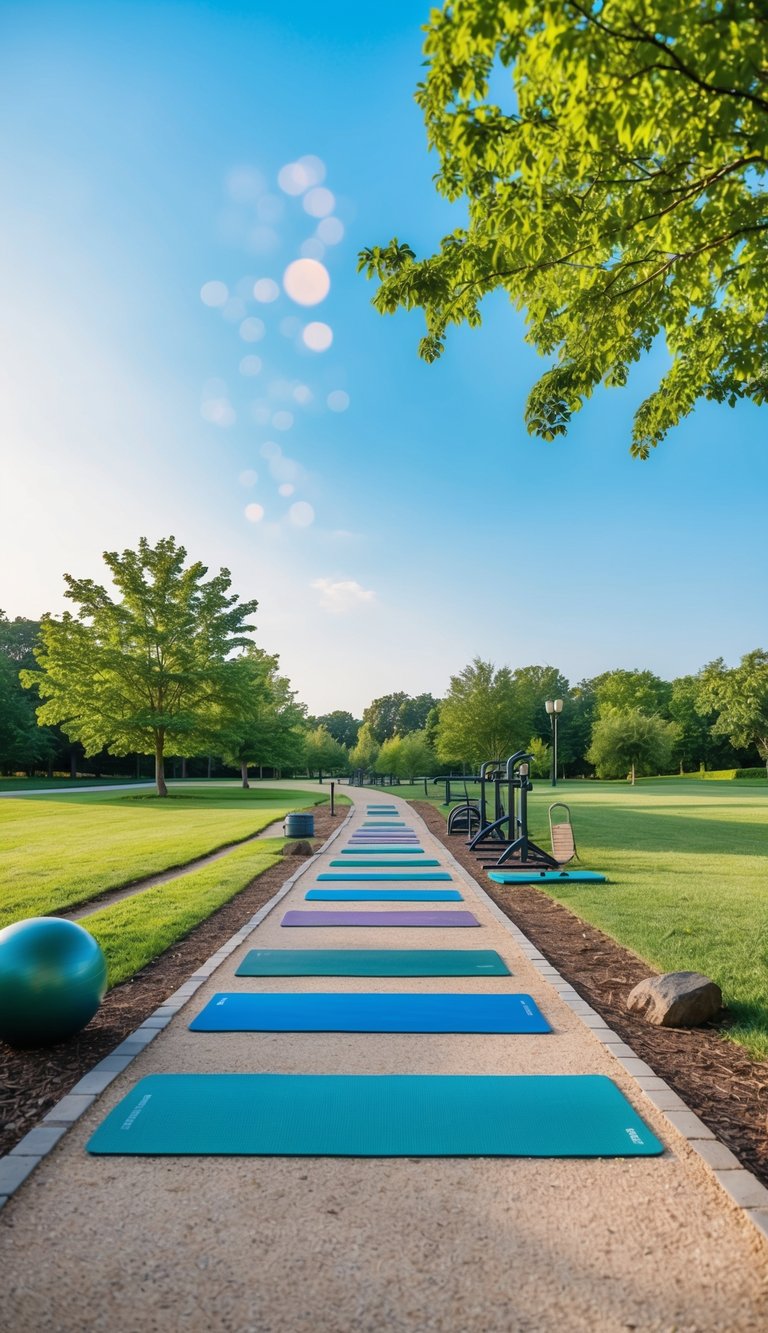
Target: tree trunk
pixel 183 766
pixel 244 774
pixel 210 761
pixel 162 790
pixel 633 773
pixel 72 763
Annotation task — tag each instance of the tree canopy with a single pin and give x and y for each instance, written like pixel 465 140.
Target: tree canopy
pixel 143 671
pixel 740 697
pixel 631 742
pixel 618 196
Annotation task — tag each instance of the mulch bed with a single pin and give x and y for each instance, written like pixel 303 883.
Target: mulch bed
pixel 32 1081
pixel 715 1077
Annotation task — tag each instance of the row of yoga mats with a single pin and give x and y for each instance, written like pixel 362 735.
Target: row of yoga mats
pixel 378 1011
pixel 375 1115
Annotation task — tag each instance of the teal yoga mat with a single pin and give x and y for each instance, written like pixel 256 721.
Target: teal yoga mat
pixel 372 963
pixel 377 1011
pixel 384 895
pixel 383 865
pixel 546 876
pixel 375 1115
pixel 381 875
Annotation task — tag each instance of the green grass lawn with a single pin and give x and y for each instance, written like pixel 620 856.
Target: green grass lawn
pixel 140 928
pixel 62 849
pixel 688 865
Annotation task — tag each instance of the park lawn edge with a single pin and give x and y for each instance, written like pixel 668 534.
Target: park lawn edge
pixel 135 931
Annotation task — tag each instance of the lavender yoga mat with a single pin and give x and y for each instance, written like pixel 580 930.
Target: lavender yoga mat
pixel 440 919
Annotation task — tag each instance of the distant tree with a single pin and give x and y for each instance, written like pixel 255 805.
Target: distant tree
pixel 261 722
pixel 541 757
pixel 739 697
pixel 363 755
pixel 417 758
pixel 322 754
pixel 478 717
pixel 341 725
pixel 631 690
pixel 389 760
pixel 533 685
pixel 382 715
pixel 618 198
pixel 413 713
pixel 574 732
pixel 141 673
pixel 23 744
pixel 631 742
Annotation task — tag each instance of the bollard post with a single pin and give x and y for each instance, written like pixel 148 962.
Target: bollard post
pixel 333 807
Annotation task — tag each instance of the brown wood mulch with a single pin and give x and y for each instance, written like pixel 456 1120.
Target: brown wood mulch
pixel 32 1081
pixel 715 1077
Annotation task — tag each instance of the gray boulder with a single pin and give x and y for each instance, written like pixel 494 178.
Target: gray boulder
pixel 676 999
pixel 299 848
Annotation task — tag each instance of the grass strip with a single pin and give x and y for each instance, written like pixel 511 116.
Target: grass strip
pixel 138 929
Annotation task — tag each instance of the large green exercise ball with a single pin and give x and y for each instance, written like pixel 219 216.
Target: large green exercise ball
pixel 53 976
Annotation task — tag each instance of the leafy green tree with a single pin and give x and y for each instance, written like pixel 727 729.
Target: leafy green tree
pixel 363 755
pixel 23 744
pixel 417 758
pixel 739 696
pixel 574 731
pixel 342 726
pixel 143 672
pixel 413 713
pixel 478 717
pixel 628 690
pixel 533 685
pixel 697 743
pixel 389 760
pixel 382 715
pixel 631 742
pixel 618 197
pixel 261 722
pixel 541 757
pixel 322 754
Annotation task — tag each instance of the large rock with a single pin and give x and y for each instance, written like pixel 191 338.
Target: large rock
pixel 676 999
pixel 300 848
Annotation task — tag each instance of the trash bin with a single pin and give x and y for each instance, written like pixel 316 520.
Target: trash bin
pixel 299 825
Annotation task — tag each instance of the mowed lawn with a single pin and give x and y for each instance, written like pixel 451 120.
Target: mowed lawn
pixel 688 868
pixel 57 851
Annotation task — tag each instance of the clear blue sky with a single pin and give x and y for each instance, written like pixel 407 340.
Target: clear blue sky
pixel 142 149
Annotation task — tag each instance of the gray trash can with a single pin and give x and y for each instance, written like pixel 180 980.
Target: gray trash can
pixel 299 825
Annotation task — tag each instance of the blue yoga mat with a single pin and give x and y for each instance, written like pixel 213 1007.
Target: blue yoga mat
pixel 313 1011
pixel 372 963
pixel 375 1115
pixel 384 865
pixel 547 876
pixel 382 875
pixel 445 919
pixel 384 896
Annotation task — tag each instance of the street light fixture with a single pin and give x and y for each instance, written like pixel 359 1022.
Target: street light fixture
pixel 554 707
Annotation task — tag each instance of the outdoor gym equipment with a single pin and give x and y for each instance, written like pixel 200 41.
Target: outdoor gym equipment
pixel 53 976
pixel 504 839
pixel 561 835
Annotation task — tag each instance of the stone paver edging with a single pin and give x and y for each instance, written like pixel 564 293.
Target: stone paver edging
pixel 21 1161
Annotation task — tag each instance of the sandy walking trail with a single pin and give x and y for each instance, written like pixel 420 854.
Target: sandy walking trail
pixel 324 1245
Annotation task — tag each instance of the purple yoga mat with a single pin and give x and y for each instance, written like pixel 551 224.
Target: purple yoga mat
pixel 379 919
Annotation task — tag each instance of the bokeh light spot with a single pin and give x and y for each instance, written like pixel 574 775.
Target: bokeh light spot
pixel 270 449
pixel 338 400
pixel 318 202
pixel 313 167
pixel 214 293
pixel 250 365
pixel 307 281
pixel 330 231
pixel 249 477
pixel 252 329
pixel 317 336
pixel 266 290
pixel 294 178
pixel 302 394
pixel 287 488
pixel 219 411
pixel 282 420
pixel 254 513
pixel 301 514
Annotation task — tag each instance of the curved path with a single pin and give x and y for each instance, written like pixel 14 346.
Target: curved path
pixel 325 1245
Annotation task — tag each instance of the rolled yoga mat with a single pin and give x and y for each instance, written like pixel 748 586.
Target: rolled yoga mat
pixel 317 1011
pixel 375 1115
pixel 372 963
pixel 384 896
pixel 445 919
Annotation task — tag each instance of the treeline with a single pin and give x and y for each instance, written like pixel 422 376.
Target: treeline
pixel 168 667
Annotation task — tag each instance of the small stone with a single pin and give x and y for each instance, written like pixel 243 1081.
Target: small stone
pixel 676 999
pixel 299 848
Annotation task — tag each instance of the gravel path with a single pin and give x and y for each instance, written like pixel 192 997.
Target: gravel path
pixel 302 1245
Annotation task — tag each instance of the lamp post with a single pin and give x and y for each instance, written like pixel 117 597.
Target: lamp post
pixel 554 707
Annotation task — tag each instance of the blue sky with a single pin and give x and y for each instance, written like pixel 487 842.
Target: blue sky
pixel 412 523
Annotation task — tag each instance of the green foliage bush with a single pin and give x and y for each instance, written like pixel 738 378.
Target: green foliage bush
pixel 728 774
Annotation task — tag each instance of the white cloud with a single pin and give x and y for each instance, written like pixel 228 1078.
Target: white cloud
pixel 343 595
